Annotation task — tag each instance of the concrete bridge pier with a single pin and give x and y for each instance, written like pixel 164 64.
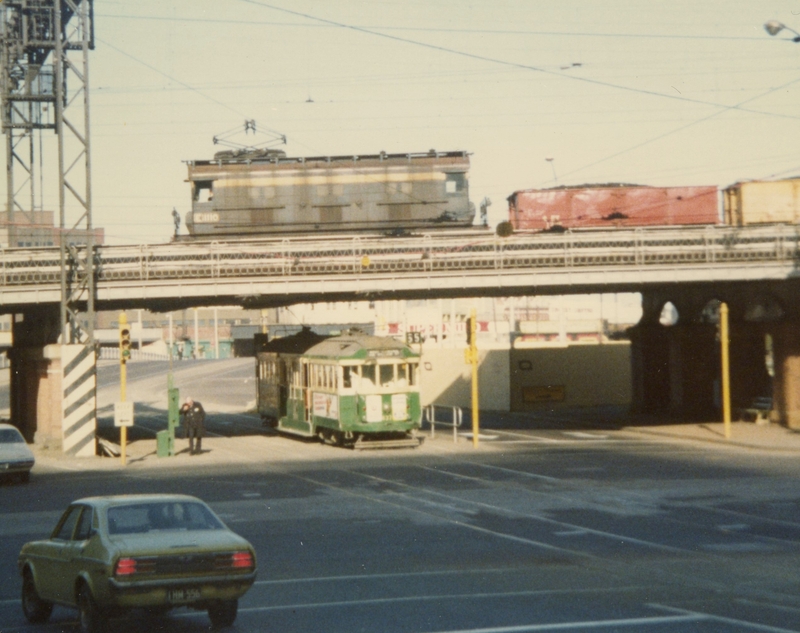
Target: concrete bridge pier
pixel 34 377
pixel 676 368
pixel 52 386
pixel 786 355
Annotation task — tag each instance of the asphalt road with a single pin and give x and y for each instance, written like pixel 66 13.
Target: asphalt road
pixel 546 527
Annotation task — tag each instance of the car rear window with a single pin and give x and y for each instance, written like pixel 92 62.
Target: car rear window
pixel 160 516
pixel 11 436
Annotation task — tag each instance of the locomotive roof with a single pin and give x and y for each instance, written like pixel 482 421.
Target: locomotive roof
pixel 358 345
pixel 279 158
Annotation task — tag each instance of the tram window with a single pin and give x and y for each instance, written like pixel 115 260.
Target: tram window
pixel 412 375
pixel 402 375
pixel 347 377
pixel 387 375
pixel 368 374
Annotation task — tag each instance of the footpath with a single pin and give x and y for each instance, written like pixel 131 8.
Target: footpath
pixel 221 451
pixel 767 437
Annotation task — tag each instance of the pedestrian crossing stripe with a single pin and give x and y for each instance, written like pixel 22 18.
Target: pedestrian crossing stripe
pixel 79 401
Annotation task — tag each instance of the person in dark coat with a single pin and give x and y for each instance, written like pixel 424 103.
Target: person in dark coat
pixel 194 418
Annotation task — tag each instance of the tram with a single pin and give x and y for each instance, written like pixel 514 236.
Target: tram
pixel 352 390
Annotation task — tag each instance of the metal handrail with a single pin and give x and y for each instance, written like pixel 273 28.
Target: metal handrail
pixel 456 419
pixel 434 254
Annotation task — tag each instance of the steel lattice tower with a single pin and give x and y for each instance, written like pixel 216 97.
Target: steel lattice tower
pixel 44 55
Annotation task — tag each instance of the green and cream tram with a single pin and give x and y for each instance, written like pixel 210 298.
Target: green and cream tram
pixel 354 389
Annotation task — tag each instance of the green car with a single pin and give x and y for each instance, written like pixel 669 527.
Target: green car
pixel 110 554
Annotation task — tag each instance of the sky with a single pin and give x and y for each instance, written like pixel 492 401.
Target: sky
pixel 637 91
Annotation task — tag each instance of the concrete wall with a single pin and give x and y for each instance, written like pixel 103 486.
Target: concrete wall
pixel 447 380
pixel 577 375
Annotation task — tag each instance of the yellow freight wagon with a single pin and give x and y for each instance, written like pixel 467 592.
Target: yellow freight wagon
pixel 762 202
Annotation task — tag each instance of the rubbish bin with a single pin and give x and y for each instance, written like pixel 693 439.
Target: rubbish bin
pixel 165 443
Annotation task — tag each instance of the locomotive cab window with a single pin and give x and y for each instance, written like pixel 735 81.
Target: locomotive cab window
pixel 455 183
pixel 203 190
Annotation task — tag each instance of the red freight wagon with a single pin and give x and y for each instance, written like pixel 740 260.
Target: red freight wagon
pixel 611 206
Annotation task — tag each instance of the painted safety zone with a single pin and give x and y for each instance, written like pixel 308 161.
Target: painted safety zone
pixel 79 414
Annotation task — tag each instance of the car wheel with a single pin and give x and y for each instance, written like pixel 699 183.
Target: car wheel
pixel 36 610
pixel 92 619
pixel 223 613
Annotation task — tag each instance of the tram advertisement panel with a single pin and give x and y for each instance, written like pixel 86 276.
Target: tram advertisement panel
pixel 326 405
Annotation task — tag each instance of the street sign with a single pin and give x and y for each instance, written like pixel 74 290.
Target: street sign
pixel 123 413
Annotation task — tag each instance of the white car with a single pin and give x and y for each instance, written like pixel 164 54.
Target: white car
pixel 15 456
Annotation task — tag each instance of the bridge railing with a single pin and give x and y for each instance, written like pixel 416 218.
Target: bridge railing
pixel 428 254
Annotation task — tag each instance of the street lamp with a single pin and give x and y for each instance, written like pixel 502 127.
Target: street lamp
pixel 773 27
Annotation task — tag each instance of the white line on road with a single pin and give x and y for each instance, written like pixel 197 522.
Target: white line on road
pixel 440 572
pixel 591 624
pixel 717 618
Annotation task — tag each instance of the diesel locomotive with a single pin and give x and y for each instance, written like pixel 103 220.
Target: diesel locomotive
pixel 258 192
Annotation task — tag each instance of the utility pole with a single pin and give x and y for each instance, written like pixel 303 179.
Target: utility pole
pixel 44 84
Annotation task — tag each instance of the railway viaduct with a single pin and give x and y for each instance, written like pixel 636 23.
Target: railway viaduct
pixel 754 270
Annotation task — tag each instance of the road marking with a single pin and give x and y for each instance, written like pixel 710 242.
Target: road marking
pixel 734 527
pixel 588 436
pixel 717 618
pixel 439 572
pixel 514 472
pixel 558 626
pixel 429 598
pixel 625 539
pixel 590 624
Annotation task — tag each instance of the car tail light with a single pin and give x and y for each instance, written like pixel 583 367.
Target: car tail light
pixel 242 559
pixel 236 560
pixel 125 567
pixel 130 566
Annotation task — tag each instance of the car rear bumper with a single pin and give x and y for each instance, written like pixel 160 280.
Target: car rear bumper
pixel 144 593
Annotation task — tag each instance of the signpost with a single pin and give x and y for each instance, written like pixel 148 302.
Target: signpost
pixel 124 355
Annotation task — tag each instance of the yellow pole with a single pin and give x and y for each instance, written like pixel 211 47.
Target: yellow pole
pixel 473 354
pixel 726 379
pixel 123 377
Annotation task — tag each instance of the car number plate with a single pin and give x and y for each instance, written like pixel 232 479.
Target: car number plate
pixel 183 595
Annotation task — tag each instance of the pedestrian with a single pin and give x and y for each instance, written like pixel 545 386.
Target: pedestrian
pixel 194 418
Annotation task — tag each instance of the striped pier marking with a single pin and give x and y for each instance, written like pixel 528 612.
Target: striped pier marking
pixel 79 402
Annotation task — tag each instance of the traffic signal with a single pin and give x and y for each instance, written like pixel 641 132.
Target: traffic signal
pixel 124 343
pixel 470 331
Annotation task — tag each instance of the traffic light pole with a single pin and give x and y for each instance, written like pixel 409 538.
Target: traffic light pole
pixel 471 356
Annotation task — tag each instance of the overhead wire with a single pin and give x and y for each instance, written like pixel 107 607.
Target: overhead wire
pixel 495 60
